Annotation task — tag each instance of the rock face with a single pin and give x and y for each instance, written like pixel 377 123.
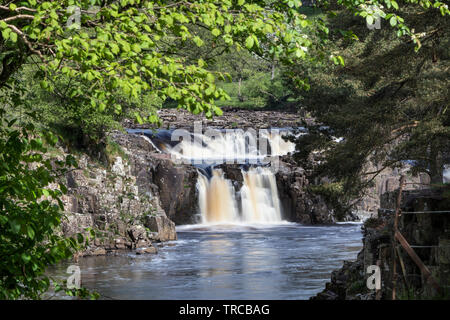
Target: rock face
pixel 298 204
pixel 163 226
pixel 429 235
pixel 386 181
pixel 126 204
pixel 177 191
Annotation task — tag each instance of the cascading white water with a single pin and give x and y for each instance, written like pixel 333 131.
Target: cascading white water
pixel 217 200
pixel 259 201
pixel 233 144
pixel 259 196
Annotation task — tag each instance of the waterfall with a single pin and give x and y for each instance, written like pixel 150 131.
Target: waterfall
pixel 259 201
pixel 217 201
pixel 233 144
pixel 259 196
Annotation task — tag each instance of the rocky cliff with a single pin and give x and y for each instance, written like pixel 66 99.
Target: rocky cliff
pixel 386 181
pixel 131 203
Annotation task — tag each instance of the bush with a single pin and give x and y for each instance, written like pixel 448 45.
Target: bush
pixel 30 210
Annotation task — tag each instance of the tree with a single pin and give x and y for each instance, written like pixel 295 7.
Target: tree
pixel 388 103
pixel 30 210
pixel 131 46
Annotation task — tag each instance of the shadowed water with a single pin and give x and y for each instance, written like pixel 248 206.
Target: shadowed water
pixel 285 261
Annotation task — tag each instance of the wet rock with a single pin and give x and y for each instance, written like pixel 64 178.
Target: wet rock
pixel 298 204
pixel 143 243
pixel 177 190
pixel 137 233
pixel 122 243
pixel 99 252
pixel 163 226
pixel 147 250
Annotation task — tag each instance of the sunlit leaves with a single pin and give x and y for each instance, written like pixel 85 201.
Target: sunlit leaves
pixel 30 209
pixel 130 47
pixel 388 10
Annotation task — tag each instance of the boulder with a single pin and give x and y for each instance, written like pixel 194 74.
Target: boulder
pixel 137 233
pixel 163 226
pixel 147 250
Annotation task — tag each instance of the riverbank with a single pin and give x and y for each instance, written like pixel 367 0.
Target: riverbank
pixel 427 233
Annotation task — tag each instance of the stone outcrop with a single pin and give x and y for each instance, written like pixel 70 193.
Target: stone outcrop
pixel 298 203
pixel 173 184
pixel 387 181
pixel 177 190
pixel 162 226
pixel 131 203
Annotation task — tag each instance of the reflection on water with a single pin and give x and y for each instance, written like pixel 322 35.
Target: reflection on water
pixel 286 261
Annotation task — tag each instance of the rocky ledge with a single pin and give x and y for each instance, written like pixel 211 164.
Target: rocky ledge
pixel 231 118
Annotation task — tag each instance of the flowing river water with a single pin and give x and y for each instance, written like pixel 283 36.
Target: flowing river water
pixel 243 249
pixel 240 261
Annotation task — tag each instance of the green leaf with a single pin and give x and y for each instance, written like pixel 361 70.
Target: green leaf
pixel 6 33
pixel 210 78
pixel 138 118
pixel 395 5
pixel 393 21
pixel 25 257
pixel 198 41
pixel 30 232
pixel 215 32
pixel 13 37
pixel 218 111
pixel 249 42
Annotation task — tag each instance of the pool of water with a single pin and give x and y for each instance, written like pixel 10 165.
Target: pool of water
pixel 283 261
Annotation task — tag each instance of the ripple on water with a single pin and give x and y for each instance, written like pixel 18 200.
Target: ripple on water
pixel 287 261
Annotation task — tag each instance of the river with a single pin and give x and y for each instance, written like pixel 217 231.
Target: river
pixel 227 261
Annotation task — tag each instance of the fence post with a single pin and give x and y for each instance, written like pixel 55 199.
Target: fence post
pixel 398 236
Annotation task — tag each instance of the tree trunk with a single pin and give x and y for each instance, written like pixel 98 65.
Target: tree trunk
pixel 436 165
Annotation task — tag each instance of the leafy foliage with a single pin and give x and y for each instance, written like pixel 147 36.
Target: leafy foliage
pixel 388 103
pixel 130 47
pixel 30 210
